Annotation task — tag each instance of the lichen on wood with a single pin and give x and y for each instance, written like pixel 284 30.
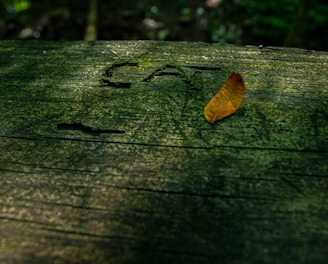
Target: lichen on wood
pixel 106 155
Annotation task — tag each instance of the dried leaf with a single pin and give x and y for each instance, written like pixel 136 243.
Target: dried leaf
pixel 228 99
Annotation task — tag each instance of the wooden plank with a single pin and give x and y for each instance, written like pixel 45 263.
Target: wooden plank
pixel 107 157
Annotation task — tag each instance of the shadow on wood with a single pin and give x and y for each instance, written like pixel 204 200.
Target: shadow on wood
pixel 107 157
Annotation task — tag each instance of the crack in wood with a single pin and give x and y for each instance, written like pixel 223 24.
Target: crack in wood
pixel 88 130
pixel 164 71
pixel 111 69
pixel 178 71
pixel 109 74
pixel 116 84
pixel 203 68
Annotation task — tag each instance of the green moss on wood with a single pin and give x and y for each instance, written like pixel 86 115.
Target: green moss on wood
pixel 94 170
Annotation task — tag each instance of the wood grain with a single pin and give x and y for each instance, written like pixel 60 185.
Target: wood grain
pixel 106 156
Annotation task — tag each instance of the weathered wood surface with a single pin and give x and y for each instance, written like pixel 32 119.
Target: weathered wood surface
pixel 106 156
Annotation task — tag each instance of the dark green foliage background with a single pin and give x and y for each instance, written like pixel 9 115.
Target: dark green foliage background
pixel 296 23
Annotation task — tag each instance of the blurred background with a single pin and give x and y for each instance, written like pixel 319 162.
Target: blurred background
pixel 293 23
